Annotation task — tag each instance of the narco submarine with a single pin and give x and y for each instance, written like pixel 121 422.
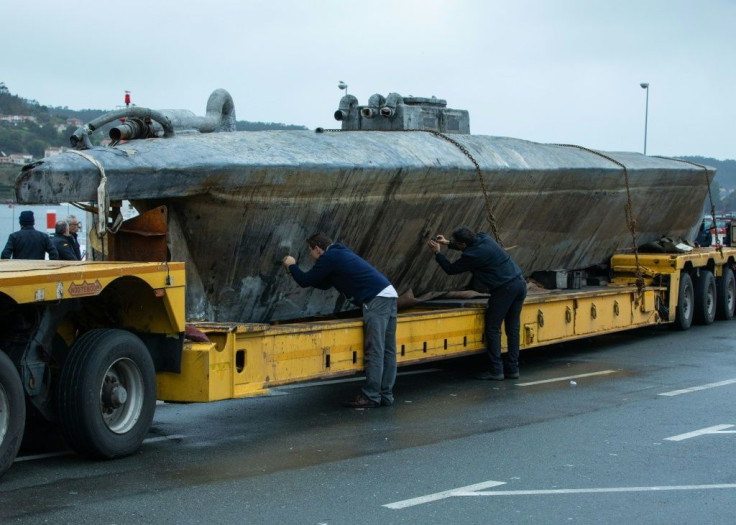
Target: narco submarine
pixel 231 204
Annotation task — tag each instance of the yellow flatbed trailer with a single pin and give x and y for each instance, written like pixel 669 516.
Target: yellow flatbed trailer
pixel 246 359
pixel 80 344
pixel 91 345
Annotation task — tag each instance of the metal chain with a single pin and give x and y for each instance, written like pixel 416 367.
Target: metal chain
pixel 489 208
pixel 630 220
pixel 710 195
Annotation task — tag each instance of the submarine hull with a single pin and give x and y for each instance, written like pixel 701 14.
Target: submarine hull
pixel 237 202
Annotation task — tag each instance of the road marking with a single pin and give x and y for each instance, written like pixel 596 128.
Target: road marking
pixel 69 452
pixel 717 429
pixel 698 388
pixel 442 495
pixel 597 490
pixel 567 378
pixel 43 456
pixel 347 380
pixel 163 438
pixel 477 491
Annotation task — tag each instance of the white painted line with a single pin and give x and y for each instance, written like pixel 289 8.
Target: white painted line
pixel 597 490
pixel 717 429
pixel 442 495
pixel 567 378
pixel 163 438
pixel 477 491
pixel 43 456
pixel 348 380
pixel 69 452
pixel 697 388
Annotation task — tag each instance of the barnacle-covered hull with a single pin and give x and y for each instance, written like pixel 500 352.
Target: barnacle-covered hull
pixel 237 202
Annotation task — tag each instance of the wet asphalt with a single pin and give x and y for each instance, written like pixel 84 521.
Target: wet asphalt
pixel 584 436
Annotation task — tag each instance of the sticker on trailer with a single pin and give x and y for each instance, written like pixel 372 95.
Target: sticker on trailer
pixel 60 290
pixel 84 288
pixel 40 295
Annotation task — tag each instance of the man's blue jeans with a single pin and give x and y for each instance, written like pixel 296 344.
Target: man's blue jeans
pixel 379 349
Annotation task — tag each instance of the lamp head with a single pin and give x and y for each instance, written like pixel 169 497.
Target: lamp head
pixel 644 85
pixel 342 85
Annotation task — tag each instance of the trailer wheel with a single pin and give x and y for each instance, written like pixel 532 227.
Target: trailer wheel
pixel 705 297
pixel 12 412
pixel 726 288
pixel 685 297
pixel 107 394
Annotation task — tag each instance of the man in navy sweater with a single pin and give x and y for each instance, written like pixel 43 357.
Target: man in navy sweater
pixel 336 266
pixel 497 271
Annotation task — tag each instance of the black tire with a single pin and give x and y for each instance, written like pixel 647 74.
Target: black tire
pixel 726 288
pixel 705 298
pixel 12 412
pixel 685 300
pixel 107 394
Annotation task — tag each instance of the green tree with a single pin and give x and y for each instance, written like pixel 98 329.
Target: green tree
pixel 36 148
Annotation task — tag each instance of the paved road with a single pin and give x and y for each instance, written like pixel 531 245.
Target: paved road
pixel 632 428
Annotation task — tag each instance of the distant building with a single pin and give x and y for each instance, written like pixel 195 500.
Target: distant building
pixel 21 158
pixel 53 150
pixel 73 121
pixel 17 119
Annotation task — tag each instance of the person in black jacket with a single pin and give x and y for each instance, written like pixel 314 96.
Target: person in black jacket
pixel 336 266
pixel 28 243
pixel 73 233
pixel 64 243
pixel 496 270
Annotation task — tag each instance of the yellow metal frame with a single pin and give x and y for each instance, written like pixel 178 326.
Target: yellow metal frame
pixel 245 360
pixel 162 311
pixel 665 268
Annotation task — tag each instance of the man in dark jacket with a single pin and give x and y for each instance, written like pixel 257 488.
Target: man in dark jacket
pixel 64 243
pixel 28 243
pixel 496 270
pixel 74 225
pixel 338 267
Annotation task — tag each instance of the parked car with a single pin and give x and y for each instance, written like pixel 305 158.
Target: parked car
pixel 710 235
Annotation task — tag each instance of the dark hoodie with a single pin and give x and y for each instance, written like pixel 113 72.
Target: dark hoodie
pixel 486 260
pixel 347 272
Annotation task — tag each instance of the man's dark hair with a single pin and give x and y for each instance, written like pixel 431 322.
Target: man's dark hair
pixel 464 235
pixel 319 239
pixel 61 227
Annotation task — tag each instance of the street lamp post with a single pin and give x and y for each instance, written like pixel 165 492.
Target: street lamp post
pixel 645 85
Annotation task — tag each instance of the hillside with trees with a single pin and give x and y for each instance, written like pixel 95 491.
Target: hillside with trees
pixel 48 127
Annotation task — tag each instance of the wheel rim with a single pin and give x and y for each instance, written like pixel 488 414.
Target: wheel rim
pixel 710 301
pixel 4 413
pixel 687 302
pixel 121 396
pixel 730 291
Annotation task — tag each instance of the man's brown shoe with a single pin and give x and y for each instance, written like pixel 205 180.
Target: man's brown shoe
pixel 489 376
pixel 361 402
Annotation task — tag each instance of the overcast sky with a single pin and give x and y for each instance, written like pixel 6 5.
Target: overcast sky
pixel 559 71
